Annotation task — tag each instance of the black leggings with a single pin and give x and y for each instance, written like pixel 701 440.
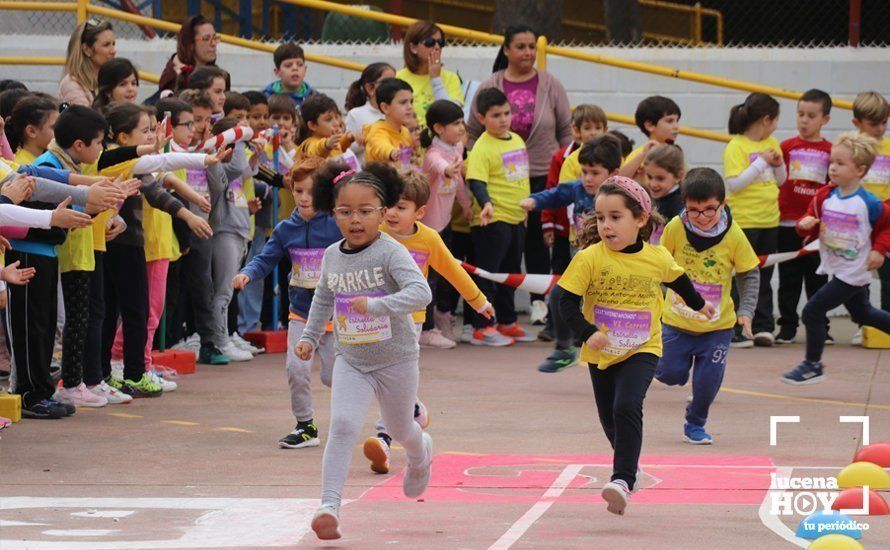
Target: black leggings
pixel 126 294
pixel 76 294
pixel 619 391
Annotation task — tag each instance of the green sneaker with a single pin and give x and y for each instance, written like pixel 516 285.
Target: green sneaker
pixel 115 383
pixel 210 355
pixel 560 360
pixel 143 388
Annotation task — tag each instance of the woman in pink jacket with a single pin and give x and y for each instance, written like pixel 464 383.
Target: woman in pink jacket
pixel 92 44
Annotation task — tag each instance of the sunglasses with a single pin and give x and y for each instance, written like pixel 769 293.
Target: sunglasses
pixel 430 42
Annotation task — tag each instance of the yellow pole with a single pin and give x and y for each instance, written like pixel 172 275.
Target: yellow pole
pixel 37 6
pixel 82 11
pixel 697 23
pixel 10 60
pixel 542 53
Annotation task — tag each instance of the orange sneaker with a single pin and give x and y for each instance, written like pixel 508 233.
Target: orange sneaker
pixel 488 336
pixel 515 332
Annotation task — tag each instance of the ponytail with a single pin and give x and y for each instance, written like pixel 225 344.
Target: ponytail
pixel 755 107
pixel 500 62
pixel 357 96
pixel 28 111
pixel 442 111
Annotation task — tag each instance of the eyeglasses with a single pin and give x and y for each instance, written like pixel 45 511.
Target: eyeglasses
pixel 363 213
pixel 430 42
pixel 707 212
pixel 190 125
pixel 212 38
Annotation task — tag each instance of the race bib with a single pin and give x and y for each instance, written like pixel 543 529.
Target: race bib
pixel 348 158
pixel 403 162
pixel 839 234
pixel 355 328
pixel 305 266
pixel 420 257
pixel 879 171
pixel 627 329
pixel 448 187
pixel 808 165
pixel 515 165
pixel 711 292
pixel 236 192
pixel 197 180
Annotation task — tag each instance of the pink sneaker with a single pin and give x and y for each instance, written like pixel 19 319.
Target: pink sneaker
pixel 80 396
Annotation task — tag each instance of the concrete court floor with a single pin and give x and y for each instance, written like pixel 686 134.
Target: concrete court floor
pixel 520 458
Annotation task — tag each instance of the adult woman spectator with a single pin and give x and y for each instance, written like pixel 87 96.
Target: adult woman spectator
pixel 195 47
pixel 423 70
pixel 542 117
pixel 90 46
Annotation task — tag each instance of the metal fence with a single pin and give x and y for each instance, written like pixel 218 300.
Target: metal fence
pixel 62 23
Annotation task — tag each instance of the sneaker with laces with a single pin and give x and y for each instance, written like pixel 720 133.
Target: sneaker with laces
pixel 805 373
pixel 166 385
pixel 112 395
pixel 192 344
pixel 418 477
pixel 326 524
pixel 764 339
pixel 421 415
pixel 516 332
pixel 236 354
pixel 616 494
pixel 538 313
pixel 488 336
pixel 210 355
pixel 444 321
pixel 245 345
pixel 696 435
pixel 434 338
pixel 466 334
pixel 559 360
pixel 46 409
pixel 376 450
pixel 79 396
pixel 69 408
pixel 304 435
pixel 143 387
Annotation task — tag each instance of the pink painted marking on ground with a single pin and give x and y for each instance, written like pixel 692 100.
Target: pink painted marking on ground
pixel 513 478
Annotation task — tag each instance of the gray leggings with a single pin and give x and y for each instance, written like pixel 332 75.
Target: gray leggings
pixel 299 372
pixel 395 388
pixel 228 251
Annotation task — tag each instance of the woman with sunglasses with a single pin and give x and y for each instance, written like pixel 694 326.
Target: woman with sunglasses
pixel 542 116
pixel 195 47
pixel 91 45
pixel 423 70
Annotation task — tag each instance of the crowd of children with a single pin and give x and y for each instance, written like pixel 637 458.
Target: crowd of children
pixel 122 215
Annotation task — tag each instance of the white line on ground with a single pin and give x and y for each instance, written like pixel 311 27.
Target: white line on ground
pixel 515 532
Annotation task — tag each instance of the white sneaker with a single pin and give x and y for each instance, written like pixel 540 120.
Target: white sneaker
pixel 764 339
pixel 488 336
pixel 376 449
pixel 117 370
pixel 166 385
pixel 234 353
pixel 80 396
pixel 434 338
pixel 444 321
pixel 245 345
pixel 466 334
pixel 112 395
pixel 538 313
pixel 857 338
pixel 192 343
pixel 326 524
pixel 417 478
pixel 616 494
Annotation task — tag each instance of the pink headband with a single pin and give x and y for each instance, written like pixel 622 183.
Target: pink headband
pixel 342 175
pixel 635 189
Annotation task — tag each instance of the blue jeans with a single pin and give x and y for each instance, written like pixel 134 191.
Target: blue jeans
pixel 707 351
pixel 250 300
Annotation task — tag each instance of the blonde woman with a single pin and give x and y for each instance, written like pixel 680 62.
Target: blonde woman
pixel 92 43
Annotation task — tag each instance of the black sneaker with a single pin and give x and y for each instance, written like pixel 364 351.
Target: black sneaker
pixel 545 335
pixel 69 408
pixel 786 336
pixel 46 409
pixel 740 341
pixel 211 355
pixel 304 435
pixel 805 373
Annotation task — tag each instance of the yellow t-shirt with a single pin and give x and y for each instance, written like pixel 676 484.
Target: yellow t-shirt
pixel 502 164
pixel 157 226
pixel 423 90
pixel 711 272
pixel 381 138
pixel 571 168
pixel 622 297
pixel 23 157
pixel 757 205
pixel 640 175
pixel 877 179
pixel 428 250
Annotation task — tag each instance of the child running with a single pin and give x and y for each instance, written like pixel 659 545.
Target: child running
pixel 303 238
pixel 371 284
pixel 704 242
pixel 618 278
pixel 854 237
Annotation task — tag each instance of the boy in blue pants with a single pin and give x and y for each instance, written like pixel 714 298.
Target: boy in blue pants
pixel 709 247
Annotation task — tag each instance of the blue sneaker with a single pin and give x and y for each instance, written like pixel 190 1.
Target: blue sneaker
pixel 69 408
pixel 696 435
pixel 560 360
pixel 45 409
pixel 805 373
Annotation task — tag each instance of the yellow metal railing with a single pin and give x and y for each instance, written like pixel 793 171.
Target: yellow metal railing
pixel 8 60
pixel 479 36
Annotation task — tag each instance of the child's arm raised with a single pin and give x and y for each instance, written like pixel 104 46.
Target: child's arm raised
pixel 165 162
pixel 556 197
pixel 414 292
pixel 184 190
pixel 263 263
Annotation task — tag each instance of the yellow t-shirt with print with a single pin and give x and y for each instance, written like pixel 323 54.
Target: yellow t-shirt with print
pixel 571 167
pixel 622 297
pixel 381 138
pixel 877 179
pixel 157 226
pixel 502 164
pixel 422 90
pixel 428 250
pixel 757 205
pixel 711 272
